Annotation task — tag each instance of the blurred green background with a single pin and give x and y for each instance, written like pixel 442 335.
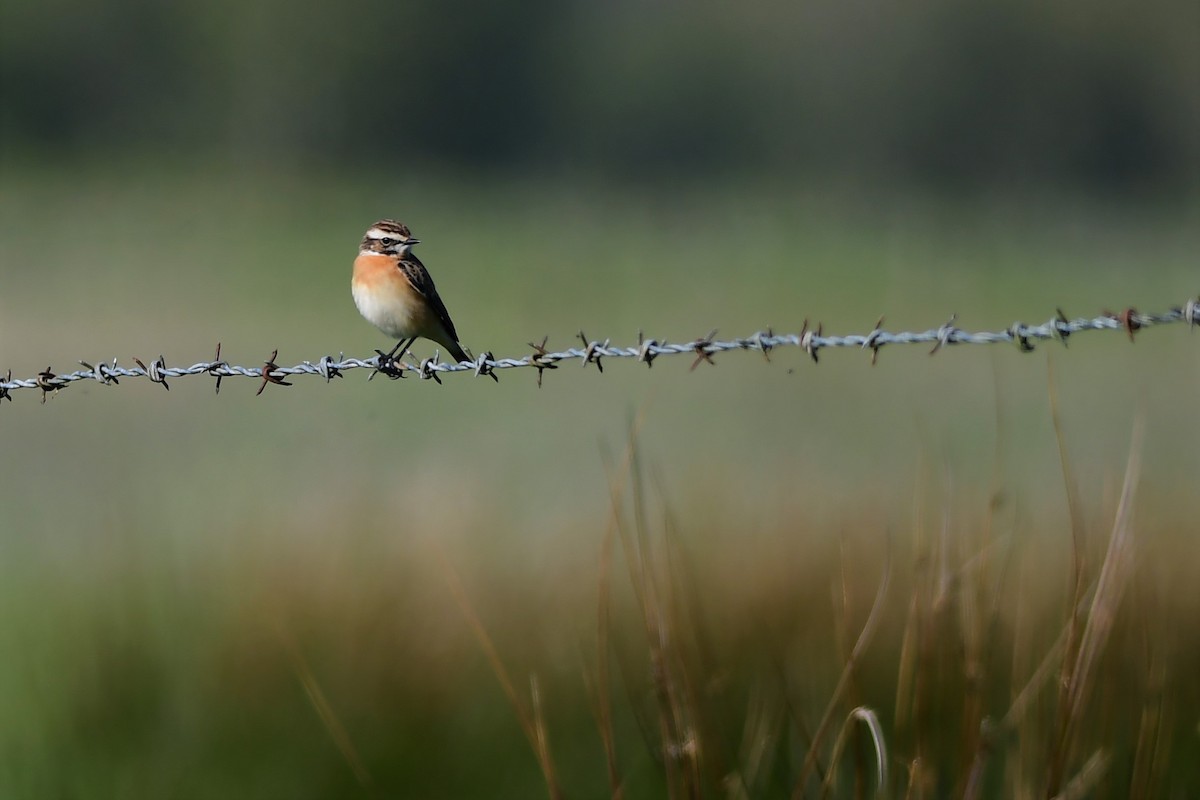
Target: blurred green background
pixel 177 571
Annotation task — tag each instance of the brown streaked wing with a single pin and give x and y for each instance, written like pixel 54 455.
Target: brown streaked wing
pixel 411 267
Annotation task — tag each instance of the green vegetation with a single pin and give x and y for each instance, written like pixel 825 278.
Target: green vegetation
pixel 320 592
pixel 1099 95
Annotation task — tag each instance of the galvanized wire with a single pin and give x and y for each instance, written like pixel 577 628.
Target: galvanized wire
pixel 592 351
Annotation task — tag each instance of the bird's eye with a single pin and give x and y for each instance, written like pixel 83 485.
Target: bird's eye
pixel 388 241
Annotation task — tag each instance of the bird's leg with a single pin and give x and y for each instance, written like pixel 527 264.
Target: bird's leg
pixel 402 347
pixel 387 361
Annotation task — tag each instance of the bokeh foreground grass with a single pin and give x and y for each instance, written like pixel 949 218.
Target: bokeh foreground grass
pixel 682 645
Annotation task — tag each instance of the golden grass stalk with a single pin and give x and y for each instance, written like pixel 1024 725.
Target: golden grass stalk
pixel 1151 747
pixel 1078 570
pixel 864 639
pixel 530 721
pixel 1087 778
pixel 329 718
pixel 1110 587
pixel 871 721
pixel 600 691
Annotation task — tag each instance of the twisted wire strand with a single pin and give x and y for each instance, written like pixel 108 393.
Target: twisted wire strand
pixel 811 341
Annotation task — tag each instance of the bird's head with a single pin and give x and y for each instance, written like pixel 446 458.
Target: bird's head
pixel 388 238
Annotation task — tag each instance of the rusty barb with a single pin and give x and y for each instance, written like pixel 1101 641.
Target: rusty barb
pixel 810 340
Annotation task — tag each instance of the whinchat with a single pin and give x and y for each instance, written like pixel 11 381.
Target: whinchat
pixel 394 292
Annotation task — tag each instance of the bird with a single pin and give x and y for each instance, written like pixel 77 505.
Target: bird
pixel 395 293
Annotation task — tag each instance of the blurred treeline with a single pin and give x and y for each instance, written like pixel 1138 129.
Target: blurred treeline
pixel 1101 95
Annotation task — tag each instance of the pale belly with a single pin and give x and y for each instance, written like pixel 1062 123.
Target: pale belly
pixel 384 310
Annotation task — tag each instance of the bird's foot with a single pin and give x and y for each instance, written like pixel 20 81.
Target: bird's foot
pixel 388 364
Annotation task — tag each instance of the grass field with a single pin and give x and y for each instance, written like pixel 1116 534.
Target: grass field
pixel 331 591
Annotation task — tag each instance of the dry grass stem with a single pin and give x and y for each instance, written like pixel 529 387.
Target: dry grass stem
pixel 860 646
pixel 529 722
pixel 1078 571
pixel 871 722
pixel 1110 587
pixel 337 731
pixel 1087 778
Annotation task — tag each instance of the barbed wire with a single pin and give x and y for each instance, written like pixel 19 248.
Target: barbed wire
pixel 809 340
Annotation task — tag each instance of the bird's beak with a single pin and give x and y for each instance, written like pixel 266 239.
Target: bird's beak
pixel 411 242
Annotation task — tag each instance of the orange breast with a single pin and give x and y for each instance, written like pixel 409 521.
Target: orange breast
pixel 377 272
pixel 386 298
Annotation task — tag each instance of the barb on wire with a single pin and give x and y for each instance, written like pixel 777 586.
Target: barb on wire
pixel 703 349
